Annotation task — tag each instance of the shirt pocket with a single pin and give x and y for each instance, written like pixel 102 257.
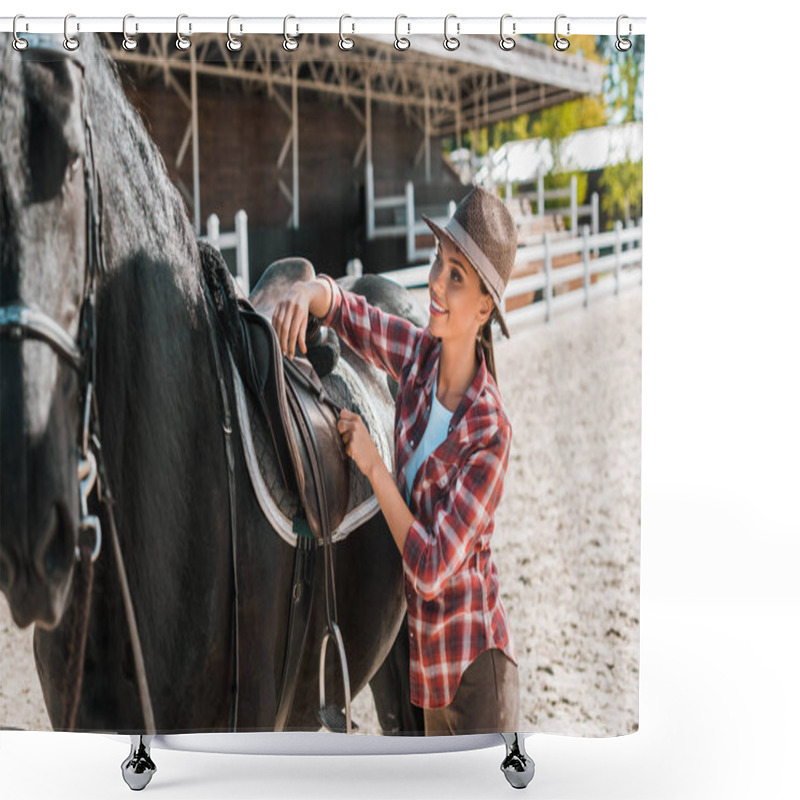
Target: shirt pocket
pixel 441 474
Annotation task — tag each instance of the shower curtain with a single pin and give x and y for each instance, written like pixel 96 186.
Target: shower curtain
pixel 333 155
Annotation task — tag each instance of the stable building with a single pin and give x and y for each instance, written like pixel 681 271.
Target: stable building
pixel 334 155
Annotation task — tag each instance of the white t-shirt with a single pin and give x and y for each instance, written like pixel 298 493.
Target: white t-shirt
pixel 435 434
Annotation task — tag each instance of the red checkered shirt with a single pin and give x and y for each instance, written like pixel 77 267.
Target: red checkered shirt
pixel 454 608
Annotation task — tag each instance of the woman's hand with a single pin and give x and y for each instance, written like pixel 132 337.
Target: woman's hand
pixel 290 318
pixel 357 442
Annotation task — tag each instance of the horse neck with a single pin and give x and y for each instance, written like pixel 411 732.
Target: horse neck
pixel 155 390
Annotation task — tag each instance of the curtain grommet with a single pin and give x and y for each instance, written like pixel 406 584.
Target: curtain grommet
pixel 70 42
pixel 451 42
pixel 128 42
pixel 182 42
pixel 560 42
pixel 233 44
pixel 622 44
pixel 345 43
pixel 506 42
pixel 18 43
pixel 401 42
pixel 290 44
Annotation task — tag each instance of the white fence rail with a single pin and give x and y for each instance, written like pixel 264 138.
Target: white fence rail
pixel 574 212
pixel 410 226
pixel 233 240
pixel 623 265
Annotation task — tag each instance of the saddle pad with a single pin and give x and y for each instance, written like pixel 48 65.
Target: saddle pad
pixel 279 505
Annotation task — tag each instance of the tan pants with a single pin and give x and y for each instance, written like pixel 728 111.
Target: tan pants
pixel 487 699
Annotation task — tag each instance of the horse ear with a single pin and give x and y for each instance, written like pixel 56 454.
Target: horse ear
pixel 54 122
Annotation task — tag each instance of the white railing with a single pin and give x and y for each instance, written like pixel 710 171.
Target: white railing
pixel 411 226
pixel 574 212
pixel 623 266
pixel 233 240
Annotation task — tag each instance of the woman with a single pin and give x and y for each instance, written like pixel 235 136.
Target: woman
pixel 452 441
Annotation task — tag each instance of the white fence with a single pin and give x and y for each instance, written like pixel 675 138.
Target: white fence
pixel 623 266
pixel 410 227
pixel 233 240
pixel 576 212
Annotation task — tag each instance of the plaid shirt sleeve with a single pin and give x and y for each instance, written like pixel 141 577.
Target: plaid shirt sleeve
pixel 432 555
pixel 386 340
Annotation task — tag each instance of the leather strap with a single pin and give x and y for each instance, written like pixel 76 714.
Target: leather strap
pixel 299 615
pixel 227 429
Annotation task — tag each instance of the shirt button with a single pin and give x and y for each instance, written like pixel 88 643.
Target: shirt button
pixel 412 442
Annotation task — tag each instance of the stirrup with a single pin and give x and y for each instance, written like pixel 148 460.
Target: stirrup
pixel 330 715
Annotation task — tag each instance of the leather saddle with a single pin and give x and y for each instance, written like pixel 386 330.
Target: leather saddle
pixel 302 418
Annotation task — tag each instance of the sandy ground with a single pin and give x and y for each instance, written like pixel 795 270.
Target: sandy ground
pixel 567 531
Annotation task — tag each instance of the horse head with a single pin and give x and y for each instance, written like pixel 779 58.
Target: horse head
pixel 44 183
pixel 97 259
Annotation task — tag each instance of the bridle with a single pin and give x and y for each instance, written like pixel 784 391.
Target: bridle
pixel 19 322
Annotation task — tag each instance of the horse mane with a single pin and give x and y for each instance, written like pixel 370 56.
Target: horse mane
pixel 142 182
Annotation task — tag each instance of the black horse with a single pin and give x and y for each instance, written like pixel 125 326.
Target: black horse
pixel 91 226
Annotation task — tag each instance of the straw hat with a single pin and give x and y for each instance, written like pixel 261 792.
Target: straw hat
pixel 484 231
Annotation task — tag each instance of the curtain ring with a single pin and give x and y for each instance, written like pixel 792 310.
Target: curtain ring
pixel 128 42
pixel 182 43
pixel 233 44
pixel 623 44
pixel 400 42
pixel 560 42
pixel 18 43
pixel 451 42
pixel 70 42
pixel 289 43
pixel 506 42
pixel 344 42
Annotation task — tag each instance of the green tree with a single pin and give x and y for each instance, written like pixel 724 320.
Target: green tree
pixel 621 190
pixel 624 81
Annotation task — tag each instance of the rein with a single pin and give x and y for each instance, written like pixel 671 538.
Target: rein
pixel 19 322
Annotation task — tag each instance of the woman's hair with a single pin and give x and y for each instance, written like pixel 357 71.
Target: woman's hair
pixel 485 335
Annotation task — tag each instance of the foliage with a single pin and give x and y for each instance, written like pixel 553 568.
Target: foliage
pixel 621 190
pixel 554 123
pixel 623 84
pixel 621 101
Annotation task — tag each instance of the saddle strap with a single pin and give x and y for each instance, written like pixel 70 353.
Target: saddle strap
pixel 227 428
pixel 303 372
pixel 299 615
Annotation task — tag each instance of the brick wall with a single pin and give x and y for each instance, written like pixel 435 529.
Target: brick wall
pixel 241 136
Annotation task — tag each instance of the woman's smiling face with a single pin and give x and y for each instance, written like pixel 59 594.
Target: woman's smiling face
pixel 454 286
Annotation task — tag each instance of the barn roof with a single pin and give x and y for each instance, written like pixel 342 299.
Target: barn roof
pixel 593 148
pixel 475 85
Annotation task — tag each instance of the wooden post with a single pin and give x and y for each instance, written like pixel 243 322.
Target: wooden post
pixel 573 196
pixel 617 254
pixel 427 134
pixel 548 277
pixel 411 236
pixel 540 195
pixel 457 93
pixel 596 218
pixel 212 230
pixel 369 191
pixel 355 267
pixel 369 172
pixel 586 281
pixel 242 250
